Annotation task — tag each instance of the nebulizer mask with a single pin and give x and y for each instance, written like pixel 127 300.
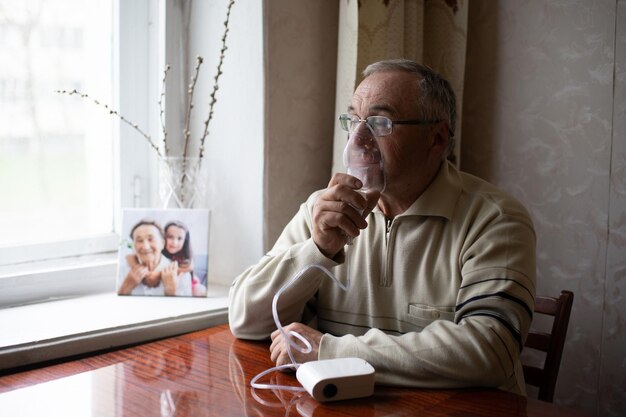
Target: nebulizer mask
pixel 363 159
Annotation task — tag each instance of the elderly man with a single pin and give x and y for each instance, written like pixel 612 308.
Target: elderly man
pixel 148 271
pixel 442 271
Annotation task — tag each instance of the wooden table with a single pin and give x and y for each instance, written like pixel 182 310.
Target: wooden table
pixel 208 373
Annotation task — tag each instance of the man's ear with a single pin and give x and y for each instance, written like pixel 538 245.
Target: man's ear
pixel 440 138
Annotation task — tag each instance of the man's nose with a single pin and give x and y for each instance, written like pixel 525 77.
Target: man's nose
pixel 363 136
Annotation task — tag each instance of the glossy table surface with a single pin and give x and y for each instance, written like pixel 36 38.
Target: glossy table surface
pixel 208 373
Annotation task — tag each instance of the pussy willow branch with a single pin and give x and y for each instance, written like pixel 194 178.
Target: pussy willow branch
pixel 187 132
pixel 217 77
pixel 190 90
pixel 162 111
pixel 114 113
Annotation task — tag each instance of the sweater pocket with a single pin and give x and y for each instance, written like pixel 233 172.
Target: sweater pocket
pixel 422 315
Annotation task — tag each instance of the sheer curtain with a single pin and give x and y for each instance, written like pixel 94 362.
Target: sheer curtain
pixel 432 32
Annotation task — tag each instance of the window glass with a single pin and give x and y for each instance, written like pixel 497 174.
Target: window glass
pixel 56 150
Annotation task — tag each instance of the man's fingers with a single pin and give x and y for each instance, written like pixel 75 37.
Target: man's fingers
pixel 345 179
pixel 274 352
pixel 346 195
pixel 278 351
pixel 275 343
pixel 331 222
pixel 338 214
pixel 275 334
pixel 283 359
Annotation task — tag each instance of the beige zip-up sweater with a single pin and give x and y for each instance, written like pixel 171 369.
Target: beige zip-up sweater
pixel 440 297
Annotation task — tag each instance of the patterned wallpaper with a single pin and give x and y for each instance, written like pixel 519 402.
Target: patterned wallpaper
pixel 544 118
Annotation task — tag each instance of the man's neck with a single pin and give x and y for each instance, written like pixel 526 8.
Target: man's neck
pixel 399 196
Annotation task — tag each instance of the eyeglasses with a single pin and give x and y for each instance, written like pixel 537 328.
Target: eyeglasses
pixel 379 125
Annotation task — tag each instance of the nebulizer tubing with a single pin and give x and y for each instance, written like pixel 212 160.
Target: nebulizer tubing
pixel 363 159
pixel 288 335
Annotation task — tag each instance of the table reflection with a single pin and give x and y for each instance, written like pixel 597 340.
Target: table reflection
pixel 257 402
pixel 161 380
pixel 208 373
pixel 50 399
pixel 155 384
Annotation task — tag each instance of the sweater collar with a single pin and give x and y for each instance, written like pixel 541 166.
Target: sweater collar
pixel 439 199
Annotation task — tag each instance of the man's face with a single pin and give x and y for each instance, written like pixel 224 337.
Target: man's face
pixel 407 151
pixel 148 244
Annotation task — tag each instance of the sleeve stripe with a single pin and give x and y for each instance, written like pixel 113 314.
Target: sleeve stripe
pixel 516 335
pixel 359 326
pixel 499 279
pixel 497 294
pixel 506 348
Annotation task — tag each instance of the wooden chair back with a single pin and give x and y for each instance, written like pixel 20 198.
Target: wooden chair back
pixel 551 343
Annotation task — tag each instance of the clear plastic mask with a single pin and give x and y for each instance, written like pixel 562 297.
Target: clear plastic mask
pixel 363 159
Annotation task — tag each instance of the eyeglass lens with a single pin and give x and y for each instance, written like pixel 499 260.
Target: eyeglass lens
pixel 380 125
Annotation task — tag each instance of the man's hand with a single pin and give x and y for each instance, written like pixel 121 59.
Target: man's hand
pixel 278 349
pixel 339 213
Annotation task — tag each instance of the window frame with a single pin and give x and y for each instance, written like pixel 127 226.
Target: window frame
pixel 236 189
pixel 35 272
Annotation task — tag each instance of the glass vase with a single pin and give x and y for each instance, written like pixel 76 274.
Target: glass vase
pixel 183 182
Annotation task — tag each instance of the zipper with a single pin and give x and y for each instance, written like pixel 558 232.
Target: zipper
pixel 385 279
pixel 388 228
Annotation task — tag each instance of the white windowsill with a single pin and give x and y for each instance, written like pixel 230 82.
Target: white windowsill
pixel 62 328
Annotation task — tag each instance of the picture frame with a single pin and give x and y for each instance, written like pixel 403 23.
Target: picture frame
pixel 164 252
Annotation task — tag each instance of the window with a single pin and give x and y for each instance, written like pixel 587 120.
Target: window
pixel 62 179
pixel 140 45
pixel 56 151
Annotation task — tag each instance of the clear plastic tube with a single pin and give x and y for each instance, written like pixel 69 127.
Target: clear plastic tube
pixel 291 334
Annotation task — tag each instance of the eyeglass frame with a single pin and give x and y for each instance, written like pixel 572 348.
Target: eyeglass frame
pixel 347 117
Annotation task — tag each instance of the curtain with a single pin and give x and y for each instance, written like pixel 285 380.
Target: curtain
pixel 431 32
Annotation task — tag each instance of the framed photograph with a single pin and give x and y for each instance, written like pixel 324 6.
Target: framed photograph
pixel 164 252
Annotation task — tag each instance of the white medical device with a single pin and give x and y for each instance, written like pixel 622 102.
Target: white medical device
pixel 337 379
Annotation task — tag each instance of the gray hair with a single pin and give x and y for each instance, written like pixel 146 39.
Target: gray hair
pixel 436 100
